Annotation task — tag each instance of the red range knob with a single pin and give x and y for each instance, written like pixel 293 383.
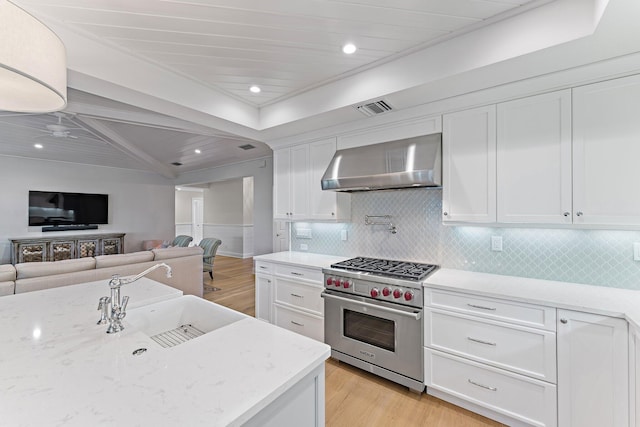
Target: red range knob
pixel 397 293
pixel 375 292
pixel 336 282
pixel 408 296
pixel 329 281
pixel 386 292
pixel 346 284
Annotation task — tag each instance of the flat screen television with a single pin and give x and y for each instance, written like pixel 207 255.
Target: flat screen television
pixel 57 208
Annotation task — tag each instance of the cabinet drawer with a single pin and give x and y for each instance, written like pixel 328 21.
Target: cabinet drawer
pixel 305 297
pixel 527 351
pixel 300 273
pixel 525 399
pixel 535 316
pixel 263 267
pixel 304 324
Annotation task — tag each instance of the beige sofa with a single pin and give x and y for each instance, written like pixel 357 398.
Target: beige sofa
pixel 186 264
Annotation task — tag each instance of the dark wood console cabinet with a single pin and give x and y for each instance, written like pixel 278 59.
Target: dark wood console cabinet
pixel 65 247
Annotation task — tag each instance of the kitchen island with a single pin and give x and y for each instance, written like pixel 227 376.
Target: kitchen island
pixel 58 367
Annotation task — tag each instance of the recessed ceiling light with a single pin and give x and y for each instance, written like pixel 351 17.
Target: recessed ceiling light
pixel 38 146
pixel 197 151
pixel 255 89
pixel 349 48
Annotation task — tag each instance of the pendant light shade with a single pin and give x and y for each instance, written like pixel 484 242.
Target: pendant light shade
pixel 33 64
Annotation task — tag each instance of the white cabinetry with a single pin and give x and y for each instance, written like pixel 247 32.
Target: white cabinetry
pixel 264 291
pixel 495 357
pixel 634 377
pixel 288 296
pixel 290 196
pixel 534 159
pixel 297 194
pixel 469 166
pixel 592 370
pixel 606 152
pixel 325 205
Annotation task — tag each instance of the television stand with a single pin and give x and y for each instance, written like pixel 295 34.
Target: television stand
pixel 69 227
pixel 59 247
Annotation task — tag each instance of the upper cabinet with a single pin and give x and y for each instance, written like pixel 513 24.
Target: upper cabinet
pixel 469 165
pixel 534 159
pixel 297 194
pixel 606 150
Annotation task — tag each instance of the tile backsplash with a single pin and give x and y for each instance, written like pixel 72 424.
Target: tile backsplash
pixel 596 257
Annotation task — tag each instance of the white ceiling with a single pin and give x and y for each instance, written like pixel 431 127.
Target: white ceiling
pixel 152 80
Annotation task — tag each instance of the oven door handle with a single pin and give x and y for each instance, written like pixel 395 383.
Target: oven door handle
pixel 413 315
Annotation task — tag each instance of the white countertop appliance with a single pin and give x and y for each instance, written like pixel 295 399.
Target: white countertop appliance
pixel 373 316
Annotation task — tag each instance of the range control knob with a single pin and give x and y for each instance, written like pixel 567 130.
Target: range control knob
pixel 346 284
pixel 397 293
pixel 408 296
pixel 336 283
pixel 329 281
pixel 386 292
pixel 375 292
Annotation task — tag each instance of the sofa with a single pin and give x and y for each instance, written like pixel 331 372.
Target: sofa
pixel 186 263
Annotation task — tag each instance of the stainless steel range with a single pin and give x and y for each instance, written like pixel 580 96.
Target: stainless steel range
pixel 373 316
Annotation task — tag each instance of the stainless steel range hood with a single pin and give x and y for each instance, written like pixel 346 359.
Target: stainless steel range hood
pixel 405 163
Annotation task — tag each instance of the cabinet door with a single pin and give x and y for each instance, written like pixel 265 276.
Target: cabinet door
pixel 606 152
pixel 282 184
pixel 534 159
pixel 264 298
pixel 323 205
pixel 469 166
pixel 592 370
pixel 300 182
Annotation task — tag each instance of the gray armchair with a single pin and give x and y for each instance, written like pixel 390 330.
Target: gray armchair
pixel 182 240
pixel 210 247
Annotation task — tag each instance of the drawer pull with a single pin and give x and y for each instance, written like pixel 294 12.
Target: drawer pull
pixel 480 341
pixel 297 296
pixel 482 307
pixel 263 267
pixel 297 324
pixel 482 385
pixel 297 274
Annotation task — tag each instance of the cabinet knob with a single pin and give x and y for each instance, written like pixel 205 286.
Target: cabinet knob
pixel 445 213
pixel 564 321
pixel 579 213
pixel 566 214
pixel 332 213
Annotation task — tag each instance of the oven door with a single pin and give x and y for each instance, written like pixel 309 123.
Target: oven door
pixel 381 333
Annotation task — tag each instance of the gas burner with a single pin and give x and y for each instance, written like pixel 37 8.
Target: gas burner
pixel 387 268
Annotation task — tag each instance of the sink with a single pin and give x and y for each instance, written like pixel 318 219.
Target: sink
pixel 187 316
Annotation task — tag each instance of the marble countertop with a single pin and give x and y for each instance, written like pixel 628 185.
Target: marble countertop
pixel 615 302
pixel 58 368
pixel 304 259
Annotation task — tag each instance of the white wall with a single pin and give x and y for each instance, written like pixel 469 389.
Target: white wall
pixel 262 172
pixel 223 202
pixel 141 204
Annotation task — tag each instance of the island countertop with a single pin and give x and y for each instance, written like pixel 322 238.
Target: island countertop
pixel 58 367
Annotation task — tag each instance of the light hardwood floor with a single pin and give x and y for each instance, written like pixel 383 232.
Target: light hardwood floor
pixel 353 397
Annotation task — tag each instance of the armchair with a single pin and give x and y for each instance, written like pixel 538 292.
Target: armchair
pixel 210 247
pixel 182 240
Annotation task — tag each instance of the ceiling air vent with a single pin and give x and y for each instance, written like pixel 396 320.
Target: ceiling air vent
pixel 246 146
pixel 176 164
pixel 374 108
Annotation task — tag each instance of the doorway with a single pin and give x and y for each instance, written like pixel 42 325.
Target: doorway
pixel 197 219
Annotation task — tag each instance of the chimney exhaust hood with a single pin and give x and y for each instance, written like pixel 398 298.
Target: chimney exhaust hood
pixel 406 163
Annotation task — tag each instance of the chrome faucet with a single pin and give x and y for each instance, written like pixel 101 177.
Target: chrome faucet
pixel 113 309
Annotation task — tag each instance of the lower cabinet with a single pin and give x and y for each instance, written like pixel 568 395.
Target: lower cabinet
pixel 492 356
pixel 593 370
pixel 288 296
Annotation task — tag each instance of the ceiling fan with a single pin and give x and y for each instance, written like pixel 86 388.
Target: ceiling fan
pixel 58 130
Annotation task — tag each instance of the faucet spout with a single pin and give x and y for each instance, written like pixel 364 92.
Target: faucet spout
pixel 118 306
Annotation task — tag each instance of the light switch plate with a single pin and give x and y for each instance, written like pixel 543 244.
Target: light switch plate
pixel 343 235
pixel 496 243
pixel 304 247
